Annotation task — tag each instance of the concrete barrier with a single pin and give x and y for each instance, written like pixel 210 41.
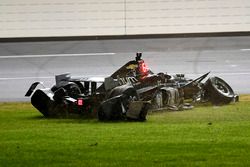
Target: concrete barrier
pixel 45 18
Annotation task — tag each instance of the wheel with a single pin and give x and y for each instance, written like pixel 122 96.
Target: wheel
pixel 116 105
pixel 128 94
pixel 110 109
pixel 218 91
pixel 72 90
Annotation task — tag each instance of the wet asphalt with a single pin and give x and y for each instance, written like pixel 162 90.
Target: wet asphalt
pixel 23 63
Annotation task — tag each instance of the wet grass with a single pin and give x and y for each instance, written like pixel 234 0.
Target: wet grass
pixel 204 136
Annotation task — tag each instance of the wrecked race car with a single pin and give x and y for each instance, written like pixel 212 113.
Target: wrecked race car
pixel 127 94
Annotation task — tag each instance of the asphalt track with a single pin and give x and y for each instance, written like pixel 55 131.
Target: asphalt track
pixel 23 63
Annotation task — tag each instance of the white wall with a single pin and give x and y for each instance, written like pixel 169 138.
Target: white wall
pixel 29 18
pixel 187 16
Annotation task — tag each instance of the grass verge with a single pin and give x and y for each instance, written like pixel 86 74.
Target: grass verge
pixel 204 136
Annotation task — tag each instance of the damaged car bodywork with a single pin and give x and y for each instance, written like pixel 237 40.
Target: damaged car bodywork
pixel 127 94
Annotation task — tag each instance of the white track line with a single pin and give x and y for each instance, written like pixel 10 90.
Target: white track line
pixel 24 78
pixel 55 55
pixel 245 49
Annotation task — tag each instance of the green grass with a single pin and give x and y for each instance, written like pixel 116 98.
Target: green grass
pixel 204 136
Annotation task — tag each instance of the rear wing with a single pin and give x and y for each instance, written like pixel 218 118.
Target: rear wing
pixel 63 79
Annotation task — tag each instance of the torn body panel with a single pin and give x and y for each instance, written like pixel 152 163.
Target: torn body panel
pixel 127 94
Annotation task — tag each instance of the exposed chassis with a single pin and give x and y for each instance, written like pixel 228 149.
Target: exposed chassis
pixel 127 94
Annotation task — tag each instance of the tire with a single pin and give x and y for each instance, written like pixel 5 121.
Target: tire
pixel 218 91
pixel 127 92
pixel 116 105
pixel 59 95
pixel 110 109
pixel 71 89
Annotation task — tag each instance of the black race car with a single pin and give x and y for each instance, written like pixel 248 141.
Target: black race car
pixel 127 94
